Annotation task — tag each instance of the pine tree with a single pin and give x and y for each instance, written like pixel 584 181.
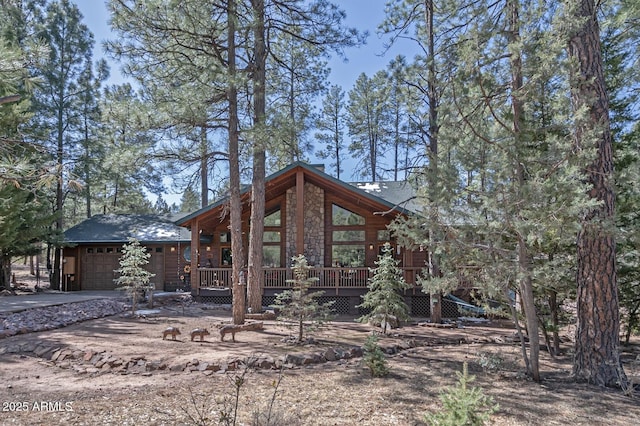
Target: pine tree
pixel 400 140
pixel 383 299
pixel 302 29
pixel 57 104
pixel 374 357
pixel 235 203
pixel 296 80
pixel 187 93
pixel 511 187
pixel 25 177
pixel 597 356
pixel 213 60
pixel 189 202
pixel 127 168
pixel 91 152
pixel 367 120
pixel 299 304
pixel 330 126
pixel 619 46
pixel 134 278
pixel 422 105
pixel 463 405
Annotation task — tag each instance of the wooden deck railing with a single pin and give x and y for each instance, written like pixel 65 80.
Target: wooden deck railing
pixel 327 278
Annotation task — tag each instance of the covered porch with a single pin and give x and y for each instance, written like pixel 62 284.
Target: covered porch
pixel 335 281
pixel 343 286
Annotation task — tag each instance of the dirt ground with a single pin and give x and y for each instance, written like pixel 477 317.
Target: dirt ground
pixel 33 392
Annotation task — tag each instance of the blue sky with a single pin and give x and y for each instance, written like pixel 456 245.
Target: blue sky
pixel 365 15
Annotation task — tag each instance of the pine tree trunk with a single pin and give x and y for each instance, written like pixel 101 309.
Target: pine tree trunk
pixel 432 154
pixel 547 340
pixel 528 301
pixel 5 271
pixel 87 173
pixel 237 250
pixel 516 322
pixel 255 281
pixel 57 253
pixel 204 167
pixel 553 307
pixel 597 352
pixel 256 234
pixel 524 258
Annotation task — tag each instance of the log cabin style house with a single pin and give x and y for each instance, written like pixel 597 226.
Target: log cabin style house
pixel 341 229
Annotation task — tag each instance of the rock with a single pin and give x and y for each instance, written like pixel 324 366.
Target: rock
pixel 228 366
pixel 119 369
pixel 152 366
pixel 177 367
pixel 65 353
pixel 406 344
pixel 356 352
pixel 330 354
pixel 41 351
pixel 137 369
pixel 13 349
pixel 308 359
pixel 28 347
pixel 293 359
pixel 49 354
pixel 265 363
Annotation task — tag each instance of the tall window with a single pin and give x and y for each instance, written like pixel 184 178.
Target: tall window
pixel 272 240
pixel 347 238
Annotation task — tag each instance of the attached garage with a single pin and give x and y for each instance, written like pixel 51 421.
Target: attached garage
pixel 94 248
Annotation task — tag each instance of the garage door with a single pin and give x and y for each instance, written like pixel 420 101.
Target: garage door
pixel 97 266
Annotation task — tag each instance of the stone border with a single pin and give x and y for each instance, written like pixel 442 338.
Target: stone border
pixel 95 363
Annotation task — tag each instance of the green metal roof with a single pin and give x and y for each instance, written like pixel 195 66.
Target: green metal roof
pixel 117 228
pixel 395 195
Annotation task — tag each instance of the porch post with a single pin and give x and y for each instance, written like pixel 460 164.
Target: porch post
pixel 299 212
pixel 195 250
